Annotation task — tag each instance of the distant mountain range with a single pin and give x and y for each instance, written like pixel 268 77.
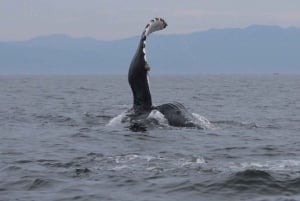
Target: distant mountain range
pixel 255 49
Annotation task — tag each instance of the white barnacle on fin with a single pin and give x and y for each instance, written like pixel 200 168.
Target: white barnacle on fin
pixel 144 50
pixel 155 24
pixel 147 67
pixel 148 79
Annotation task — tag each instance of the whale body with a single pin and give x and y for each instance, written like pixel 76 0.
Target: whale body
pixel 143 114
pixel 138 77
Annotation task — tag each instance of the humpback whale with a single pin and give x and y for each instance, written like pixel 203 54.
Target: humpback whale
pixel 138 77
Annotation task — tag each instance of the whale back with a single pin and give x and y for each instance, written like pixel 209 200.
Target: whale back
pixel 176 114
pixel 138 70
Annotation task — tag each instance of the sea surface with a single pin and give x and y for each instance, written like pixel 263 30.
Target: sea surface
pixel 58 141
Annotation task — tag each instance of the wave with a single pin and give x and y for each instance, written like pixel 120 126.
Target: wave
pixel 265 178
pixel 274 178
pixel 30 183
pixel 253 183
pixel 289 166
pixel 262 182
pixel 135 162
pixel 245 178
pixel 72 120
pixel 247 125
pixel 56 119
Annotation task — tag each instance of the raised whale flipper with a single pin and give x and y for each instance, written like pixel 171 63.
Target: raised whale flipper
pixel 138 71
pixel 175 113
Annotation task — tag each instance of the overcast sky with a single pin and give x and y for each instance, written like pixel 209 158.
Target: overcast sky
pixel 116 19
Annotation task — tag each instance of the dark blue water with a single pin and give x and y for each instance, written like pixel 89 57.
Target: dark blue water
pixel 55 143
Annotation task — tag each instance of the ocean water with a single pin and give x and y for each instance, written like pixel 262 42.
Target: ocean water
pixel 57 140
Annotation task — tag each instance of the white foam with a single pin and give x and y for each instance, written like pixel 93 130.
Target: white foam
pixel 271 165
pixel 157 115
pixel 202 121
pixel 117 121
pixel 184 162
pixel 126 158
pixel 151 162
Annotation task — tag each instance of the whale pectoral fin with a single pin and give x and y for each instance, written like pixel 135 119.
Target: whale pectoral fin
pixel 137 78
pixel 138 70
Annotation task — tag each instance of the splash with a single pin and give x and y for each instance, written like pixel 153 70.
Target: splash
pixel 202 121
pixel 118 120
pixel 158 117
pixel 154 119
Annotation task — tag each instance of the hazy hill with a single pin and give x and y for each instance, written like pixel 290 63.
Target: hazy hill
pixel 255 49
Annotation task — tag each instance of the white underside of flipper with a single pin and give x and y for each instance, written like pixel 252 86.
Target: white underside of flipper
pixel 155 24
